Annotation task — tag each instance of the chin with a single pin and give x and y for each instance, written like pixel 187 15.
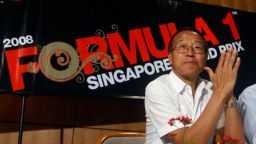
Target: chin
pixel 191 73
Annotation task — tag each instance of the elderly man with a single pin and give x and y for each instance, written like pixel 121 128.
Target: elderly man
pixel 181 107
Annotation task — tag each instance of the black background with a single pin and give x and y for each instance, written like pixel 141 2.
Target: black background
pixel 48 21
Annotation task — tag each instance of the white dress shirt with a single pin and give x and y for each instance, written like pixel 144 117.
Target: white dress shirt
pixel 247 109
pixel 169 97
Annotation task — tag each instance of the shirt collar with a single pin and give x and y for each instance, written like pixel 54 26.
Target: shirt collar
pixel 180 85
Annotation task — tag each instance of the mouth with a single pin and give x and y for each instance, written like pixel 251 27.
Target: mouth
pixel 190 62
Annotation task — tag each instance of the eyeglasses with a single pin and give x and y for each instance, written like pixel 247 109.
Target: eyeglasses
pixel 183 48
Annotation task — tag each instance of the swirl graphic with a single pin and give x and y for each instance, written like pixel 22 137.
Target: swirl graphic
pixel 66 57
pixel 100 33
pixel 114 27
pixel 92 47
pixel 80 78
pixel 66 65
pixel 100 58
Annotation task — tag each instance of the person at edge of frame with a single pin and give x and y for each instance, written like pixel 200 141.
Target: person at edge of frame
pixel 247 107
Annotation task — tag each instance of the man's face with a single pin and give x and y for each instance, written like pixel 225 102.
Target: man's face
pixel 186 59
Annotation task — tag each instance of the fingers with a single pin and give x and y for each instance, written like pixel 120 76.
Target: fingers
pixel 237 64
pixel 230 60
pixel 228 56
pixel 225 75
pixel 234 61
pixel 221 61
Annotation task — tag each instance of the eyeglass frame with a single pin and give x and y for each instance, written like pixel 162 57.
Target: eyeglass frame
pixel 184 50
pixel 205 45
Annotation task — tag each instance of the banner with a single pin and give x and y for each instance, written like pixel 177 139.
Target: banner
pixel 110 48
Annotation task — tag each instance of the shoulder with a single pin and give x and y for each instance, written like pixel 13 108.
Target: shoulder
pixel 159 87
pixel 161 80
pixel 249 93
pixel 160 91
pixel 250 89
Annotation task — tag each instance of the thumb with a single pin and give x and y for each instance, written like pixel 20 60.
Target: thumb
pixel 209 71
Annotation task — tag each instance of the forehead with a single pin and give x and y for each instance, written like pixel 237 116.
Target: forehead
pixel 187 35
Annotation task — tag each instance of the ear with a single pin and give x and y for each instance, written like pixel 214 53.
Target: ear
pixel 170 57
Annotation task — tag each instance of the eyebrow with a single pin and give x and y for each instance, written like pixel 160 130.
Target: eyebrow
pixel 180 40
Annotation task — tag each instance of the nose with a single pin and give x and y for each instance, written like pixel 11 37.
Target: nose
pixel 190 50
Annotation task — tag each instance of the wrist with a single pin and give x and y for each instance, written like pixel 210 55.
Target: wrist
pixel 231 99
pixel 220 95
pixel 232 103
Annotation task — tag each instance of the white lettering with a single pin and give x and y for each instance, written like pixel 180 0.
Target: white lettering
pixel 120 76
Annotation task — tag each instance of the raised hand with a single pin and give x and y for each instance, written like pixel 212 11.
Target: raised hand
pixel 225 75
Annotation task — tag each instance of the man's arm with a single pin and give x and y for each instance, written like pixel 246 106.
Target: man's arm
pixel 233 123
pixel 204 127
pixel 223 79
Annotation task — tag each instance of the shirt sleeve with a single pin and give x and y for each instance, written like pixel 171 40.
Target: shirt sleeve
pixel 161 105
pixel 247 106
